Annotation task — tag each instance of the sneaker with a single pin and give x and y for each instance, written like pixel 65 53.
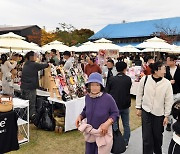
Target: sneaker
pixel 60 130
pixel 126 145
pixel 168 128
pixel 56 129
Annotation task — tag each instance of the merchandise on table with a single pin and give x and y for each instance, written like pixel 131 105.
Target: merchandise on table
pixel 70 83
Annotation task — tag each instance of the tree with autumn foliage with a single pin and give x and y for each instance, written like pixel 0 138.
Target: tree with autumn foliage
pixel 67 34
pixel 167 33
pixel 47 37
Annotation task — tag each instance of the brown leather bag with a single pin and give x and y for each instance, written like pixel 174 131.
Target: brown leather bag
pixel 6 103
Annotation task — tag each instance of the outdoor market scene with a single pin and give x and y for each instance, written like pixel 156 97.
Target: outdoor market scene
pixel 107 90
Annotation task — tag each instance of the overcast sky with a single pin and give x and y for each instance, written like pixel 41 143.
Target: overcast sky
pixel 93 14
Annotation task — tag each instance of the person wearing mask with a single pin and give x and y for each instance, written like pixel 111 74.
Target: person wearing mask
pixel 6 68
pixel 173 75
pixel 154 100
pixel 92 67
pixel 174 146
pixel 54 56
pixel 100 112
pixel 30 81
pixel 119 88
pixel 108 71
pixel 69 60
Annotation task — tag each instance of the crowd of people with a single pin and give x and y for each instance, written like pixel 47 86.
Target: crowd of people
pixel 158 90
pixel 108 94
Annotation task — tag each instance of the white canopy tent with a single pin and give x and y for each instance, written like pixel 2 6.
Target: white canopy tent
pixel 87 47
pixel 12 41
pixel 12 35
pixel 55 45
pixel 104 44
pixel 174 49
pixel 154 44
pixel 73 48
pixel 129 48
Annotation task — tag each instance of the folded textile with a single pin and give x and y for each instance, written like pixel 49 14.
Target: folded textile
pixel 91 135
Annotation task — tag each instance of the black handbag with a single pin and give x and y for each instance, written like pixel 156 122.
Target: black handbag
pixel 119 145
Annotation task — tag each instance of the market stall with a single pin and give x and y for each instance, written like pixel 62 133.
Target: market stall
pixel 72 109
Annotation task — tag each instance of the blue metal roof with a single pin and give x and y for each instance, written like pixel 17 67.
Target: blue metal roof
pixel 136 29
pixel 177 43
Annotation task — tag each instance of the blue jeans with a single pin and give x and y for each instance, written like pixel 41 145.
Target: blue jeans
pixel 125 121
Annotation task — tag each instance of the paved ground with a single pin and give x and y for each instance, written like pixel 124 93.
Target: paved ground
pixel 135 143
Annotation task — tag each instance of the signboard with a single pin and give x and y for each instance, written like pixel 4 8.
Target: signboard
pixel 103 55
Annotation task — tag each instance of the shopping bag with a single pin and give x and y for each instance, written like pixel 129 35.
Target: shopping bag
pixel 119 145
pixel 44 118
pixel 47 121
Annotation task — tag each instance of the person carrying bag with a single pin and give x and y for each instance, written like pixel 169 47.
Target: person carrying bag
pixel 119 145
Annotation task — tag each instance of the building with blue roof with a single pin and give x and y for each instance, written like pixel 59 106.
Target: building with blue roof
pixel 136 32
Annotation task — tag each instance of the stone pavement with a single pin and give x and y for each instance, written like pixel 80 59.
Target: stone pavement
pixel 135 143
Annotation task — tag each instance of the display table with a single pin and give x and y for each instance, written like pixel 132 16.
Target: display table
pixel 22 109
pixel 134 88
pixel 39 92
pixel 73 109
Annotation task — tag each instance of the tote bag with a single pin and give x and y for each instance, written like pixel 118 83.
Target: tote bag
pixel 119 145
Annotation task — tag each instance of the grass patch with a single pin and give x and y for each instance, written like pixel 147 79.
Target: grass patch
pixel 72 142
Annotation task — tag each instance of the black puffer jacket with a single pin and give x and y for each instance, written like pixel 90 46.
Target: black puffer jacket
pixel 119 88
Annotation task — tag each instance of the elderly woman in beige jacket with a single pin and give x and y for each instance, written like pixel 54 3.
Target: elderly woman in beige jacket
pixel 154 100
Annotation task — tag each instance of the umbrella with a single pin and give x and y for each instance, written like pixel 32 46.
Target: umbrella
pixel 154 43
pixel 73 48
pixel 55 45
pixel 86 47
pixel 174 49
pixel 129 48
pixel 12 35
pixel 103 40
pixel 35 46
pixel 104 44
pixel 14 42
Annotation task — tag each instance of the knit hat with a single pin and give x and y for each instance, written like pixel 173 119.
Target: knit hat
pixel 95 77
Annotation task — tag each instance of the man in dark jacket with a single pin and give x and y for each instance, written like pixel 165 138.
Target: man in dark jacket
pixel 30 81
pixel 119 87
pixel 173 75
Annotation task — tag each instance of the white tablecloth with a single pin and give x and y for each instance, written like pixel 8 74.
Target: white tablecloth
pixel 39 92
pixel 73 109
pixel 20 103
pixel 134 88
